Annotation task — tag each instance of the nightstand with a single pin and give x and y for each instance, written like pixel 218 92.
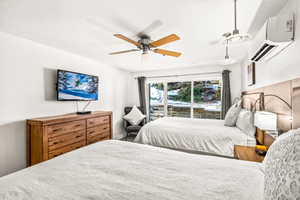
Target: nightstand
pixel 247 153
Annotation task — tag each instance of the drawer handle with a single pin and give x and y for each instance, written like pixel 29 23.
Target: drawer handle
pixel 91 132
pixel 78 136
pixel 78 125
pixel 57 142
pixel 58 129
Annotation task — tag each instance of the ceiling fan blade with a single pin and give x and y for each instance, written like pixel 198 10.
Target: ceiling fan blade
pixel 126 51
pixel 221 39
pixel 167 53
pixel 165 40
pixel 127 39
pixel 214 42
pixel 102 25
pixel 154 25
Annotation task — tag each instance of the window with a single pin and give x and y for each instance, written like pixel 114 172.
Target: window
pixel 179 99
pixel 156 100
pixel 189 99
pixel 207 99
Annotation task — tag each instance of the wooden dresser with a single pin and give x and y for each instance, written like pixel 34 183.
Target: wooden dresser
pixel 49 137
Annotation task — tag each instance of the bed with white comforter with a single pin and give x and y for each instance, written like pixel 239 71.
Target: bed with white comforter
pixel 116 170
pixel 203 135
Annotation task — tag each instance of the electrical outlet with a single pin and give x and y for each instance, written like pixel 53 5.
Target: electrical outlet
pixel 289 26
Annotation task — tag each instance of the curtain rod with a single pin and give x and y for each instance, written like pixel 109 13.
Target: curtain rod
pixel 165 76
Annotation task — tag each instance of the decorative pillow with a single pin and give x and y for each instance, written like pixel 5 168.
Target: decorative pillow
pixel 135 116
pixel 232 114
pixel 282 167
pixel 245 122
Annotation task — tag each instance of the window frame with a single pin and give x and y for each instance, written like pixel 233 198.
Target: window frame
pixel 176 79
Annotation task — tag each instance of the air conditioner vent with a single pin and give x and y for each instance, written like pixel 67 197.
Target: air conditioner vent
pixel 278 34
pixel 263 51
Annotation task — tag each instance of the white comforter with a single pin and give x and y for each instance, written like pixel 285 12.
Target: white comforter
pixel 115 170
pixel 205 135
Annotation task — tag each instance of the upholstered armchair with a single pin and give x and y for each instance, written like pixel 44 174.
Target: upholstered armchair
pixel 131 129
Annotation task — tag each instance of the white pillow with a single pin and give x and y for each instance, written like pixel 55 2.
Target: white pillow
pixel 135 116
pixel 245 122
pixel 232 114
pixel 282 167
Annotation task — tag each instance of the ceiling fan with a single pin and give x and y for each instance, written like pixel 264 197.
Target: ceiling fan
pixel 145 45
pixel 235 35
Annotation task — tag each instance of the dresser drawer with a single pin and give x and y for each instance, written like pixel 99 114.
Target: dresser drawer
pixel 103 136
pixel 66 139
pixel 66 149
pixel 98 130
pixel 60 129
pixel 97 121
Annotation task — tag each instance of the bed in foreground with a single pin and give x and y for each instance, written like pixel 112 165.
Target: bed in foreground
pixel 203 135
pixel 120 170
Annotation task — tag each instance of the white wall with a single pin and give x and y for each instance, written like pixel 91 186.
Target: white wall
pixel 286 65
pixel 235 78
pixel 27 85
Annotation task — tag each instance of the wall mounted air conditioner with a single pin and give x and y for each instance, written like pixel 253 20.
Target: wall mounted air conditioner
pixel 278 34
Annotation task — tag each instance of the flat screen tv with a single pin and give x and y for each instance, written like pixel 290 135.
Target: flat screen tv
pixel 73 86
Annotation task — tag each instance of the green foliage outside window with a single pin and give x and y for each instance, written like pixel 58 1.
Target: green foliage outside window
pixel 203 91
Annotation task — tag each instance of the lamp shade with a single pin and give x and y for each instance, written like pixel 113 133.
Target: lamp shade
pixel 266 121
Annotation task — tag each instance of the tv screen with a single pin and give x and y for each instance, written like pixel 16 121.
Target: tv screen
pixel 72 86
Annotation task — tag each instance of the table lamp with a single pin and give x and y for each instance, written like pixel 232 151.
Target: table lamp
pixel 266 121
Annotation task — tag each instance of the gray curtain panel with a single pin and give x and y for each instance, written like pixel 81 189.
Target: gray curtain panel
pixel 226 94
pixel 142 94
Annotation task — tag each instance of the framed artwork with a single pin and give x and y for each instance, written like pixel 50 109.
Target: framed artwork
pixel 251 74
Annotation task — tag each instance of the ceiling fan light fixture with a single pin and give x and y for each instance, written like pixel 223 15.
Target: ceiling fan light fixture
pixel 145 52
pixel 145 58
pixel 227 60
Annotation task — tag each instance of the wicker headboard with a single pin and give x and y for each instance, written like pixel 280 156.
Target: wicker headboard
pixel 252 100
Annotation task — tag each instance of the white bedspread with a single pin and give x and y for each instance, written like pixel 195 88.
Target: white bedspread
pixel 116 170
pixel 205 135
